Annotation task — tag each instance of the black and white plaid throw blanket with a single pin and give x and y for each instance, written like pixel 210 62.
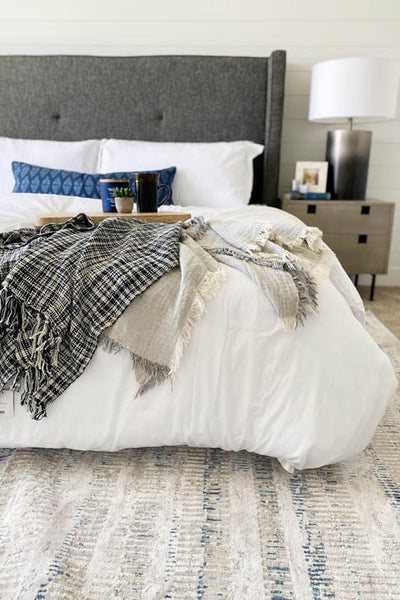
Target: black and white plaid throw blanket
pixel 61 286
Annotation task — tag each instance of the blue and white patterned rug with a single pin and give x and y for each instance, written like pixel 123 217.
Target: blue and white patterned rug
pixel 191 524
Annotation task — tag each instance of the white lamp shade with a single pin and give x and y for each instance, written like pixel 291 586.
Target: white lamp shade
pixel 363 88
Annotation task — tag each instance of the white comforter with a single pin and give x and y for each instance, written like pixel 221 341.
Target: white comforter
pixel 309 398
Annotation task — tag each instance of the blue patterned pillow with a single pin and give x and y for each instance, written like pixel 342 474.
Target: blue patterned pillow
pixel 33 179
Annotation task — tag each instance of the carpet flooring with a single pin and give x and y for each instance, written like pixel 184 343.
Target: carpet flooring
pixel 200 524
pixel 385 306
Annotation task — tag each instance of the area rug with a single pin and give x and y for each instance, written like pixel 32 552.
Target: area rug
pixel 194 524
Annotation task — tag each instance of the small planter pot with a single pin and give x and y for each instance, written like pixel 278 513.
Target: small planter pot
pixel 124 205
pixel 303 188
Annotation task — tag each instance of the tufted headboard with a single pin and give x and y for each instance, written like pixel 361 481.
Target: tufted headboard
pixel 159 98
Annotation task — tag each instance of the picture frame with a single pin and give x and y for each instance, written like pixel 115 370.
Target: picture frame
pixel 314 174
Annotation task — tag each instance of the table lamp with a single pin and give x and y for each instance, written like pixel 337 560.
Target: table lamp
pixel 342 90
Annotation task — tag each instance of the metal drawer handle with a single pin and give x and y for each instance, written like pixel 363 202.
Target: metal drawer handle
pixel 362 239
pixel 311 209
pixel 365 210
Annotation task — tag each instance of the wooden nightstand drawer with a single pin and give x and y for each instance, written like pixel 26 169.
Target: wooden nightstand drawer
pixel 331 218
pixel 358 231
pixel 360 253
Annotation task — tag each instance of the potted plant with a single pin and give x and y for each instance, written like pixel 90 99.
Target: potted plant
pixel 123 199
pixel 303 188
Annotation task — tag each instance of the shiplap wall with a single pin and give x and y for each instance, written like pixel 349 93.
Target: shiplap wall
pixel 309 30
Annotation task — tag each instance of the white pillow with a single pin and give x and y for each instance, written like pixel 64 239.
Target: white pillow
pixel 73 156
pixel 218 174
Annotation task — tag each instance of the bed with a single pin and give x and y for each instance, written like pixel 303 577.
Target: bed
pixel 308 398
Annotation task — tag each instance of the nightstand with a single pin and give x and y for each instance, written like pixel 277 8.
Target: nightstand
pixel 358 231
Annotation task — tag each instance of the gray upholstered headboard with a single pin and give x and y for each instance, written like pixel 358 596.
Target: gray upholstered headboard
pixel 159 98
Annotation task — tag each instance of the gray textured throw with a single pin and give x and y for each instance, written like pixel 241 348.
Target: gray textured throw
pixel 62 285
pixel 284 258
pixel 156 327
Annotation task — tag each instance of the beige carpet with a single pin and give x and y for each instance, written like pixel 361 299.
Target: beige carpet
pixel 198 524
pixel 386 306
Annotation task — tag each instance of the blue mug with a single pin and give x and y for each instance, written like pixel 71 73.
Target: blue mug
pixel 107 187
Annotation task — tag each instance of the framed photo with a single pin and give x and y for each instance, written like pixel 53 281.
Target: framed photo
pixel 314 174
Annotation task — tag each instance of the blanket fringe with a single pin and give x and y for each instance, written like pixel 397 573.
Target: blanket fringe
pixel 311 235
pixel 264 236
pixel 289 323
pixel 36 348
pixel 207 289
pixel 9 314
pixel 307 296
pixel 323 269
pixel 148 373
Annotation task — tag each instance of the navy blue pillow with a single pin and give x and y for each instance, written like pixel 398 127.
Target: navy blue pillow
pixel 32 179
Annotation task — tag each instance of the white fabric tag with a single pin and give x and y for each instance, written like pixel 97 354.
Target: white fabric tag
pixel 7 404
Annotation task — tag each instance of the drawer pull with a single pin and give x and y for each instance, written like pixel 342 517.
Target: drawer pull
pixel 311 209
pixel 362 238
pixel 365 210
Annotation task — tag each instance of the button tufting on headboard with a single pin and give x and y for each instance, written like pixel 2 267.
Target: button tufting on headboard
pixel 159 116
pixel 56 116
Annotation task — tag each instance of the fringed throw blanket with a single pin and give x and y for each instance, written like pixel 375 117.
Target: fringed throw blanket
pixel 156 327
pixel 139 286
pixel 283 257
pixel 61 286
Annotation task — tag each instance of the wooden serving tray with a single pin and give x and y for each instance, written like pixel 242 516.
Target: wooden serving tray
pixel 158 217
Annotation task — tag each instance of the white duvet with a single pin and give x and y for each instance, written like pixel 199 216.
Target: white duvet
pixel 309 398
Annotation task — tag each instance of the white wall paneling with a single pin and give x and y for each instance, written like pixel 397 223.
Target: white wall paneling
pixel 309 30
pixel 222 10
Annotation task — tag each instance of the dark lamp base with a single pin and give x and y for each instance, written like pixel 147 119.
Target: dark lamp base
pixel 347 153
